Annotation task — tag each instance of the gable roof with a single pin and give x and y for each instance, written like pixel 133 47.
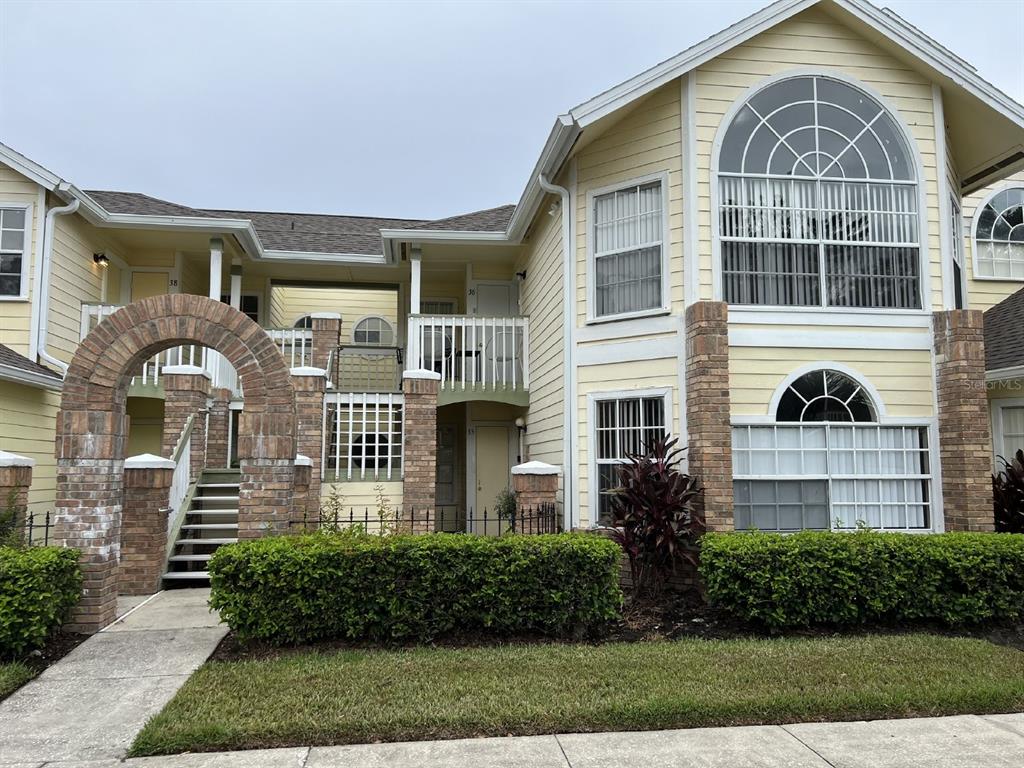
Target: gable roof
pixel 18 368
pixel 1004 333
pixel 487 220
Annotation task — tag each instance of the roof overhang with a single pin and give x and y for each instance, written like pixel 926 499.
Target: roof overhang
pixel 30 378
pixel 1005 374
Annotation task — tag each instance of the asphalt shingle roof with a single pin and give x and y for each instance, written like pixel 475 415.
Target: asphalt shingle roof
pixel 1004 333
pixel 309 232
pixel 11 359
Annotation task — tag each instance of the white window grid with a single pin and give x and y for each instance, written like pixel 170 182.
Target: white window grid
pixel 629 240
pixel 355 422
pixel 1013 431
pixel 620 429
pixel 1001 257
pixel 957 254
pixel 875 473
pixel 373 331
pixel 13 228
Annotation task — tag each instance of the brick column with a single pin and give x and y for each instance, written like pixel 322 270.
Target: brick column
pixel 15 479
pixel 144 516
pixel 266 449
pixel 708 410
pixel 965 440
pixel 419 453
pixel 309 384
pixel 219 429
pixel 536 487
pixel 326 336
pixel 306 506
pixel 186 390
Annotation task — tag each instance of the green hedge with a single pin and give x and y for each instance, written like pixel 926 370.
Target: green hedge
pixel 295 589
pixel 38 586
pixel 804 579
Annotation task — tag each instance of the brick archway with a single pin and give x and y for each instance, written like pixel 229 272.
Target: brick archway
pixel 91 433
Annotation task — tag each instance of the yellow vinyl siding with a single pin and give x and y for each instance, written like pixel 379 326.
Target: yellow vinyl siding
pixel 646 141
pixel 981 293
pixel 289 303
pixel 903 379
pixel 15 315
pixel 618 377
pixel 541 299
pixel 363 497
pixel 812 41
pixel 28 417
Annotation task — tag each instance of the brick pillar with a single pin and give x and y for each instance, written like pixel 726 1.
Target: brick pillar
pixel 147 484
pixel 536 487
pixel 306 506
pixel 965 440
pixel 708 410
pixel 219 429
pixel 15 479
pixel 87 512
pixel 326 336
pixel 186 390
pixel 419 453
pixel 266 450
pixel 309 384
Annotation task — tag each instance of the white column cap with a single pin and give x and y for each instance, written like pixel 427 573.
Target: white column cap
pixel 148 461
pixel 15 460
pixel 303 461
pixel 306 370
pixel 536 468
pixel 422 373
pixel 325 316
pixel 188 370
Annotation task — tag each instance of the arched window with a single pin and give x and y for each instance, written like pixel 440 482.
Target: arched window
pixel 306 321
pixel 818 200
pixel 373 330
pixel 999 235
pixel 827 463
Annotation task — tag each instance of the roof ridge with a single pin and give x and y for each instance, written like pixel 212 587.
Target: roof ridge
pixel 298 213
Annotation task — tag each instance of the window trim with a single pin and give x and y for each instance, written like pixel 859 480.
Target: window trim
pixel 956 245
pixel 26 250
pixel 388 323
pixel 299 319
pixel 808 313
pixel 593 398
pixel 996 414
pixel 975 215
pixel 591 272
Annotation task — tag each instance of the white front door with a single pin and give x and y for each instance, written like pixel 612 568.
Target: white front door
pixel 497 345
pixel 493 298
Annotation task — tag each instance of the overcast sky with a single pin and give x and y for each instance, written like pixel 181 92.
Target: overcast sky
pixel 394 109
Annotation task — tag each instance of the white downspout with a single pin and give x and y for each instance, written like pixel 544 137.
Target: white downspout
pixel 570 468
pixel 43 293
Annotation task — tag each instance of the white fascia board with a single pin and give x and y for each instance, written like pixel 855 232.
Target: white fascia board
pixel 1002 374
pixel 444 236
pixel 317 257
pixel 560 141
pixel 31 170
pixel 30 378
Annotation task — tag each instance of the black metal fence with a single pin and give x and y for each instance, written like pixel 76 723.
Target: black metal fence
pixel 544 518
pixel 34 529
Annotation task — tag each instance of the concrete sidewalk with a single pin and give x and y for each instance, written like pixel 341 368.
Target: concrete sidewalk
pixel 90 704
pixel 968 741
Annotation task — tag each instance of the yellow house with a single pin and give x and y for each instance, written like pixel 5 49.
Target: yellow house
pixel 775 246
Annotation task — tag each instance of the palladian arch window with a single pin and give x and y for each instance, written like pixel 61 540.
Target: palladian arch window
pixel 999 235
pixel 374 331
pixel 826 462
pixel 818 201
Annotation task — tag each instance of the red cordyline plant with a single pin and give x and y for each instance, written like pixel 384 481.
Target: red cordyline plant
pixel 1008 495
pixel 653 515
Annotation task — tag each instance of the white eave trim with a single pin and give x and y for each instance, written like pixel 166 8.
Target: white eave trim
pixel 30 378
pixel 1002 374
pixel 31 170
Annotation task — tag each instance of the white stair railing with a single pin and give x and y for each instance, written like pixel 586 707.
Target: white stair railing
pixel 470 351
pixel 294 344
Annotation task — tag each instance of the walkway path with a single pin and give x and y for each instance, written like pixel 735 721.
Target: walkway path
pixel 90 704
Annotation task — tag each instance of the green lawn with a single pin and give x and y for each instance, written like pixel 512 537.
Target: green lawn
pixel 361 696
pixel 13 675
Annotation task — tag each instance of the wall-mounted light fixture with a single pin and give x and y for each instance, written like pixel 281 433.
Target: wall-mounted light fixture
pixel 554 208
pixel 520 423
pixel 521 275
pixel 101 259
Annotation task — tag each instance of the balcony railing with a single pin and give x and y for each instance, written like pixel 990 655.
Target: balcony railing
pixel 365 368
pixel 472 352
pixel 294 344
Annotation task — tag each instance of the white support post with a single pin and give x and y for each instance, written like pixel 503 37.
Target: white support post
pixel 415 262
pixel 216 267
pixel 236 283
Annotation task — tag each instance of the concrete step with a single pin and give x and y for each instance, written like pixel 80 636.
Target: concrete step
pixel 218 485
pixel 207 542
pixel 214 498
pixel 190 558
pixel 185 575
pixel 210 527
pixel 213 511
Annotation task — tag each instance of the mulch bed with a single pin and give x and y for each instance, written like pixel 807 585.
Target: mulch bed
pixel 56 648
pixel 673 616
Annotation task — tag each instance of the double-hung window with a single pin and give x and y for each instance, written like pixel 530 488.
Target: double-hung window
pixel 999 235
pixel 623 427
pixel 14 228
pixel 957 252
pixel 818 201
pixel 628 248
pixel 827 463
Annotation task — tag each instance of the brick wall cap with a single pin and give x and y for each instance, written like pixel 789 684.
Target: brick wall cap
pixel 306 370
pixel 303 461
pixel 536 468
pixel 14 460
pixel 148 461
pixel 423 374
pixel 325 316
pixel 187 370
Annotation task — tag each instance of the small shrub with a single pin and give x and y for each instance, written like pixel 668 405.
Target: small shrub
pixel 822 578
pixel 38 586
pixel 321 586
pixel 1008 495
pixel 505 504
pixel 652 515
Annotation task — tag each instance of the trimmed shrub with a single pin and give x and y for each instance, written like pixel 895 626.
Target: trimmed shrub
pixel 38 586
pixel 804 579
pixel 294 589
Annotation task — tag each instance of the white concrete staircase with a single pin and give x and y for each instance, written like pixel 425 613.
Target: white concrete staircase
pixel 211 521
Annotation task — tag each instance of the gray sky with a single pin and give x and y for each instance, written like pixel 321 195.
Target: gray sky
pixel 395 109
